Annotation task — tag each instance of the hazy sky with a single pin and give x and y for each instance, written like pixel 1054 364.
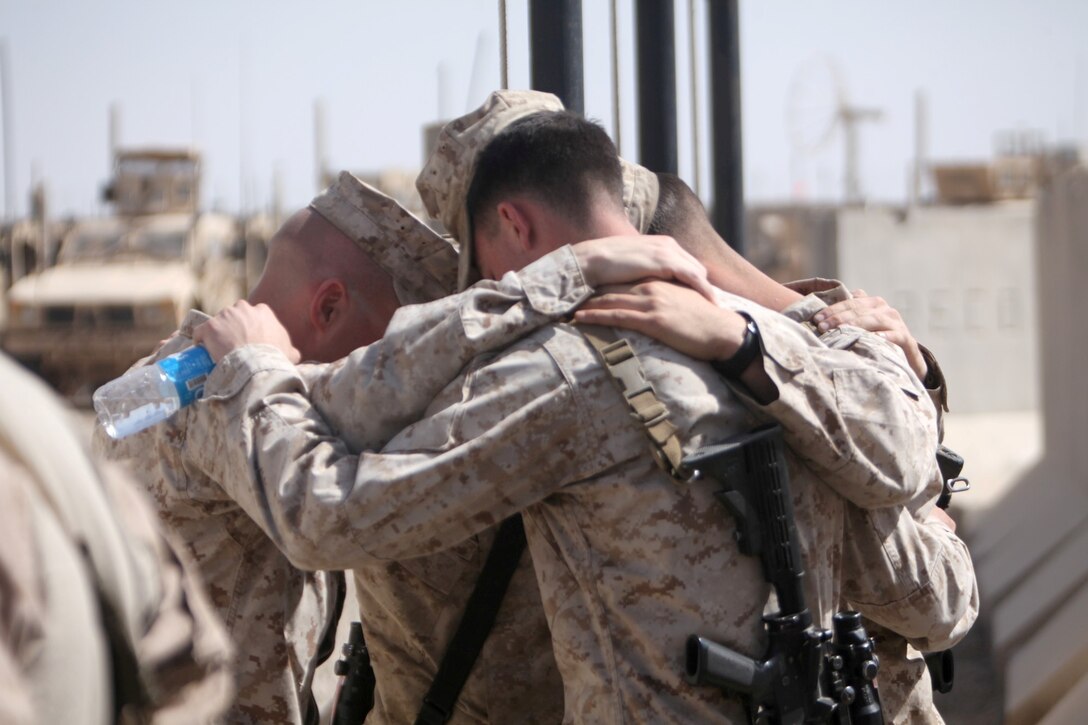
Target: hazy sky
pixel 239 80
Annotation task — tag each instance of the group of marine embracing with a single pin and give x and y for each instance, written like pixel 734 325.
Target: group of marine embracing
pixel 581 461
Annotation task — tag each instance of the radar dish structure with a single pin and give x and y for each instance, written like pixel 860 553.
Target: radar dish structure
pixel 816 107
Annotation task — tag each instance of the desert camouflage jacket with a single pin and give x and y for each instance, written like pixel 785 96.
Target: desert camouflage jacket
pixel 411 605
pixel 77 541
pixel 542 428
pixel 276 614
pixel 929 611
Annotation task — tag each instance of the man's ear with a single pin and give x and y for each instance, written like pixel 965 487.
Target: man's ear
pixel 517 222
pixel 328 304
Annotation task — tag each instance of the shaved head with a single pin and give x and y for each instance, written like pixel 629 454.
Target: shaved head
pixel 315 271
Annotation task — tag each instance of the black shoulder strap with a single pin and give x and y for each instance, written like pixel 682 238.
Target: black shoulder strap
pixel 476 622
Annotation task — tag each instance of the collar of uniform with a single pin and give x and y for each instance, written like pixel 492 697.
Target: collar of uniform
pixel 554 282
pixel 193 319
pixel 819 293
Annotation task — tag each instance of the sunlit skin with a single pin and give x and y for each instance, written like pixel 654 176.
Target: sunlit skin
pixel 521 228
pixel 305 306
pixel 309 301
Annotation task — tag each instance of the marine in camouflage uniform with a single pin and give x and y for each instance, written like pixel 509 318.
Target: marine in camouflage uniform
pixel 542 428
pixel 101 613
pixel 909 575
pixel 903 569
pixel 277 607
pixel 277 615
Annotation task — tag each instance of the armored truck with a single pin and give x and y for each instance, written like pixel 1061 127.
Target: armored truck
pixel 119 284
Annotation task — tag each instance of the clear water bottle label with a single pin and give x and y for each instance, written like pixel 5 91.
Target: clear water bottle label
pixel 187 371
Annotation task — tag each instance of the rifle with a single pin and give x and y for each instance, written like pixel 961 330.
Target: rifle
pixel 808 675
pixel 355 695
pixel 950 463
pixel 942 665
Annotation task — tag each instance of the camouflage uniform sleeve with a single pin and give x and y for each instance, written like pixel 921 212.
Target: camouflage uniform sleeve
pixel 914 577
pixel 936 387
pixel 849 406
pixel 15 705
pixel 22 613
pixel 506 435
pixel 378 390
pixel 185 653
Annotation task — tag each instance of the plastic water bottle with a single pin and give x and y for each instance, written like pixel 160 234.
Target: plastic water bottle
pixel 148 395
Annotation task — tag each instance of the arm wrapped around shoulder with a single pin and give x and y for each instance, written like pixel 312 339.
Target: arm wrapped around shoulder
pixel 914 577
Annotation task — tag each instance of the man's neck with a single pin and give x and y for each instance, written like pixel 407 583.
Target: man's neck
pixel 608 223
pixel 732 272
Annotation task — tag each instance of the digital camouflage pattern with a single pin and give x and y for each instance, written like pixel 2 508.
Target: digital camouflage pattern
pixel 443 183
pixel 910 577
pixel 68 528
pixel 276 614
pixel 410 605
pixel 541 428
pixel 422 264
pixel 279 615
pixel 641 191
pixel 938 586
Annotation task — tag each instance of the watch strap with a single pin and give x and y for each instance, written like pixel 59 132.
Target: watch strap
pixel 745 354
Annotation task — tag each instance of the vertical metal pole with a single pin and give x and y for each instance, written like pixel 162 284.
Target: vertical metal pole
pixel 321 161
pixel 504 72
pixel 555 29
pixel 617 125
pixel 696 110
pixel 656 38
pixel 724 51
pixel 5 101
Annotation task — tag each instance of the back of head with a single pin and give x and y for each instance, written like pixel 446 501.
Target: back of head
pixel 338 270
pixel 307 257
pixel 422 264
pixel 443 183
pixel 681 214
pixel 557 158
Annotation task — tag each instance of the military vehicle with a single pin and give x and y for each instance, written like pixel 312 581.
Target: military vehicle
pixel 119 284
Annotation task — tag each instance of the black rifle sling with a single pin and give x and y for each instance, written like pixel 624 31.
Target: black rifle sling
pixel 476 622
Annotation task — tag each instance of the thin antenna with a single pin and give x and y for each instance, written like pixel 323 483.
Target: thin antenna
pixel 1078 101
pixel 115 131
pixel 277 193
pixel 243 165
pixel 616 125
pixel 477 67
pixel 193 102
pixel 5 101
pixel 696 141
pixel 851 117
pixel 921 142
pixel 443 81
pixel 321 162
pixel 504 70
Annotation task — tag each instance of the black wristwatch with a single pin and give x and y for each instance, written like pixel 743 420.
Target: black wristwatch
pixel 745 354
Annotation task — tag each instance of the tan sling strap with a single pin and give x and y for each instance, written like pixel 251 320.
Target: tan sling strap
pixel 621 362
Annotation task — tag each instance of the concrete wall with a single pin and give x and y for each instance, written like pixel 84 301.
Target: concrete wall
pixel 792 242
pixel 964 280
pixel 998 291
pixel 1031 551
